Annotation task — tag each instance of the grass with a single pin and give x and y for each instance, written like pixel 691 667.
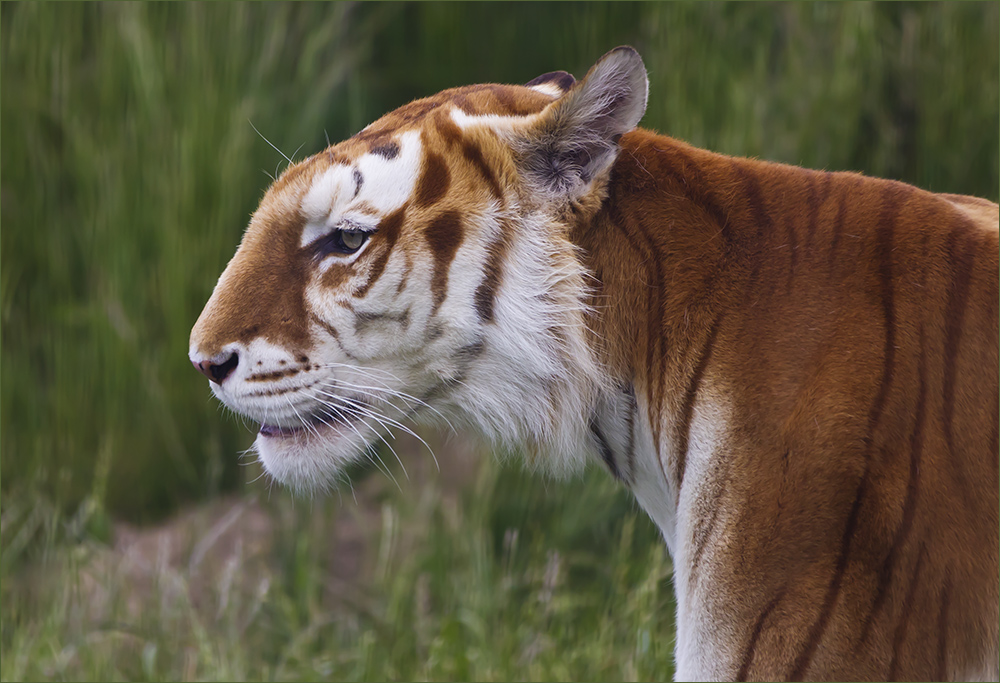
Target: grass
pixel 436 585
pixel 134 546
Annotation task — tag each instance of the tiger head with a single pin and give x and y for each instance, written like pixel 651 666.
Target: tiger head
pixel 423 270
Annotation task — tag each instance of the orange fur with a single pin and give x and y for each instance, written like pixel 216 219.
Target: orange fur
pixel 845 522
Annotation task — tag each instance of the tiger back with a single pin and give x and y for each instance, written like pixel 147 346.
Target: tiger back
pixel 795 372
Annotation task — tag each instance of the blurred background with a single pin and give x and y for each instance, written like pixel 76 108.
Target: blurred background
pixel 137 543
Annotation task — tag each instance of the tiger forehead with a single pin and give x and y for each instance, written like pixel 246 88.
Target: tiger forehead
pixel 349 172
pixel 472 100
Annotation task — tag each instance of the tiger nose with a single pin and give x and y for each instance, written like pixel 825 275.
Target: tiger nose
pixel 217 372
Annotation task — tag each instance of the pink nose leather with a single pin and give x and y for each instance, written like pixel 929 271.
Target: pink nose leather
pixel 217 372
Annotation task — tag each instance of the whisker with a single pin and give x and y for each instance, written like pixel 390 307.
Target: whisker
pixel 347 423
pixel 408 398
pixel 268 141
pixel 381 418
pixel 355 409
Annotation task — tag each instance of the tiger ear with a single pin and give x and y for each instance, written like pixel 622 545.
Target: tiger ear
pixel 575 138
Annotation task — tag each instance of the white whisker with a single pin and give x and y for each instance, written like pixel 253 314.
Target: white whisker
pixel 355 409
pixel 381 418
pixel 268 141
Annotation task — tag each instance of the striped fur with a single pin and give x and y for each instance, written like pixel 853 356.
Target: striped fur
pixel 795 372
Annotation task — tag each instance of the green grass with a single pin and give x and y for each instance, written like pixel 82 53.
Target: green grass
pixel 129 168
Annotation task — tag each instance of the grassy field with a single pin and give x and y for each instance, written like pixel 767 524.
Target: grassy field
pixel 137 544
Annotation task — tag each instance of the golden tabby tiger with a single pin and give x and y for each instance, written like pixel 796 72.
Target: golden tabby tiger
pixel 794 371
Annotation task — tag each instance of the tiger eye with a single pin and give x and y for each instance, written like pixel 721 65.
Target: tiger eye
pixel 353 239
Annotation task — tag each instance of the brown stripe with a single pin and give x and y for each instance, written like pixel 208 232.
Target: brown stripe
pixel 995 439
pixel 388 232
pixel 755 250
pixel 687 407
pixel 838 229
pixel 815 199
pixel 891 197
pixel 407 269
pixel 942 629
pixel 434 180
pixel 474 155
pixel 647 255
pixel 793 250
pixel 961 251
pixel 701 536
pixel 444 236
pixel 359 180
pixel 904 618
pixel 690 181
pixel 607 455
pixel 630 422
pixel 816 633
pixel 332 331
pixel 909 504
pixel 652 258
pixel 486 293
pixel 758 628
pixel 885 236
pixel 364 320
pixel 387 151
pixel 447 128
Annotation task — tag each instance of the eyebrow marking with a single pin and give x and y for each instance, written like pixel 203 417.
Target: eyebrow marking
pixel 387 151
pixel 358 182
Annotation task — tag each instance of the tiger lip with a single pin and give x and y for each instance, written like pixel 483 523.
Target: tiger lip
pixel 274 430
pixel 310 423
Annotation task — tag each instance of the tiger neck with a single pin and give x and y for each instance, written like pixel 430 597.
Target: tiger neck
pixel 663 277
pixel 656 252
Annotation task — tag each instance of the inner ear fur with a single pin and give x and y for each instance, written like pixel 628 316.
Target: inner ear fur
pixel 575 139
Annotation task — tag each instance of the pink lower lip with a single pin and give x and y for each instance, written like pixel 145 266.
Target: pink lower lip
pixel 313 423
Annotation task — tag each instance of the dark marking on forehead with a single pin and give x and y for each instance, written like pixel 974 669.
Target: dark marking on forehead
pixel 359 180
pixel 507 102
pixel 434 180
pixel 386 235
pixel 416 109
pixel 388 150
pixel 444 236
pixel 447 128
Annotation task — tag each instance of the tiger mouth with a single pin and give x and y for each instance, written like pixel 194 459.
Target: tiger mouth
pixel 328 421
pixel 277 431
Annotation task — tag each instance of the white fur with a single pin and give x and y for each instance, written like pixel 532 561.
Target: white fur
pixel 548 89
pixel 389 183
pixel 492 121
pixel 329 191
pixel 705 636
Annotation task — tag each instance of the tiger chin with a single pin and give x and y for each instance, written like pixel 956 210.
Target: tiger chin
pixel 794 371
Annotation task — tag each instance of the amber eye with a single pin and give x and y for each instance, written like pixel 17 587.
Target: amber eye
pixel 341 242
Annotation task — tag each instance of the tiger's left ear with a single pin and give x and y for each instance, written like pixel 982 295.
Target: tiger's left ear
pixel 575 138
